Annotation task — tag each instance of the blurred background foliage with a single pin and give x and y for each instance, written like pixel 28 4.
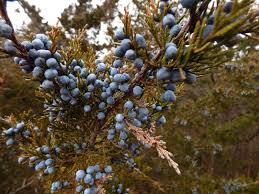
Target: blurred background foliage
pixel 213 130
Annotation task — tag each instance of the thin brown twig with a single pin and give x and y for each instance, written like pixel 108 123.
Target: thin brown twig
pixel 24 185
pixel 155 142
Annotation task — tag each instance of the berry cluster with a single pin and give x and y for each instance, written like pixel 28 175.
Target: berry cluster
pixel 119 189
pixel 71 83
pixel 40 157
pixel 169 22
pixel 210 24
pixel 55 186
pixel 89 180
pixel 17 131
pixel 20 133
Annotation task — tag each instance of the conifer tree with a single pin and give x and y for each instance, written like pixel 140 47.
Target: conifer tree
pixel 109 112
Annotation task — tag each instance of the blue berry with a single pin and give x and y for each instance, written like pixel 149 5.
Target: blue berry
pixel 171 87
pixel 119 117
pixel 110 100
pixel 5 30
pixel 43 38
pixel 44 53
pixel 175 75
pixel 119 34
pixel 118 78
pixel 110 137
pixel 117 63
pixel 207 31
pixel 211 19
pixel 119 126
pixel 88 191
pixel 49 162
pixel 228 7
pixel 101 106
pixel 162 6
pixel 168 96
pixel 37 72
pixel 64 91
pixel 114 86
pixel 111 131
pixel 143 111
pixel 50 74
pixel 9 46
pixel 91 78
pixel 45 149
pixel 39 62
pixel 131 54
pixel 9 142
pixel 168 20
pixel 190 78
pixel 38 44
pixel 79 188
pixel 124 87
pixel 87 108
pixel 47 85
pixel 163 74
pixel 55 186
pixel 73 63
pixel 141 41
pixel 138 62
pixel 132 114
pixel 101 67
pixel 128 105
pixel 98 175
pixel 33 53
pixel 170 52
pixel 83 73
pixel 63 80
pixel 136 123
pixel 101 116
pixel 113 71
pixel 162 120
pixel 52 63
pixel 159 108
pixel 175 30
pixel 123 135
pixel 188 3
pixel 80 174
pixel 21 159
pixel 50 170
pixel 17 60
pixel 77 69
pixel 90 169
pixel 108 169
pixel 97 61
pixel 66 184
pixel 97 168
pixel 75 92
pixel 27 45
pixel 126 44
pixel 40 166
pixel 119 52
pixel 90 88
pixel 137 91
